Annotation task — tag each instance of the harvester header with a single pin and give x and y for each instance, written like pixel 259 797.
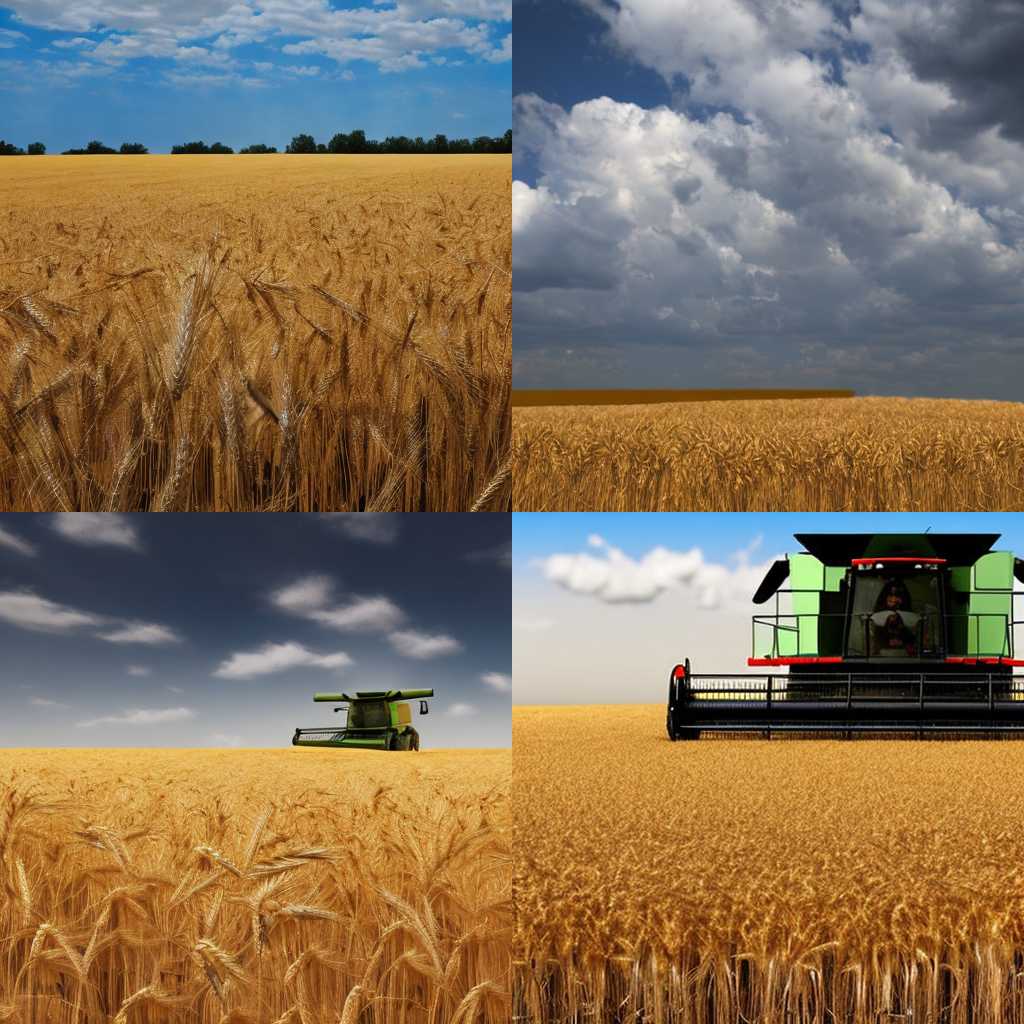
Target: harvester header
pixel 882 632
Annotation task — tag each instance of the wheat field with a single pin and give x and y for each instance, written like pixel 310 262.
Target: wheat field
pixel 267 333
pixel 748 880
pixel 293 886
pixel 828 455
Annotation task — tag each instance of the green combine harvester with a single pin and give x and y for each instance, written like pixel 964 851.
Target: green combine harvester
pixel 884 633
pixel 377 720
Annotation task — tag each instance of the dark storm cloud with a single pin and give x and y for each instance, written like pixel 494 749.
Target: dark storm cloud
pixel 975 48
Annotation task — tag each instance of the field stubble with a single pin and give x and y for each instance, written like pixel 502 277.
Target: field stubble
pixel 274 333
pixel 250 887
pixel 772 881
pixel 849 454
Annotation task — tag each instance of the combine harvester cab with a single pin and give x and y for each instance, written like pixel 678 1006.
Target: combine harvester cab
pixel 377 720
pixel 885 633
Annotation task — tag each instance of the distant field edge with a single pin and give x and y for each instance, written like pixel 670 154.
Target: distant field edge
pixel 526 397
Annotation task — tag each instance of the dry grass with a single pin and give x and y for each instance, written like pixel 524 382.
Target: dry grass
pixel 526 397
pixel 255 334
pixel 250 887
pixel 851 454
pixel 746 880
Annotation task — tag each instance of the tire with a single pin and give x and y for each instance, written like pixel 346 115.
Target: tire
pixel 395 743
pixel 414 740
pixel 668 727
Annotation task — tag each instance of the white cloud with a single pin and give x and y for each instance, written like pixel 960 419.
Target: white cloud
pixel 29 611
pixel 361 614
pixel 9 38
pixel 223 739
pixel 459 710
pixel 175 689
pixel 392 36
pixel 303 595
pixel 141 633
pixel 141 716
pixel 97 528
pixel 277 658
pixel 501 53
pixel 375 527
pixel 15 543
pixel 413 644
pixel 45 702
pixel 498 681
pixel 79 42
pixel 311 596
pixel 616 578
pixel 139 670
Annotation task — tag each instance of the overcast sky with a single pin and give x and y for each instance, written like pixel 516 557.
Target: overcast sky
pixel 217 629
pixel 770 193
pixel 240 71
pixel 604 604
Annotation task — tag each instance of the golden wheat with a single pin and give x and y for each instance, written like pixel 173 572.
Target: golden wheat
pixel 747 880
pixel 243 887
pixel 850 454
pixel 288 334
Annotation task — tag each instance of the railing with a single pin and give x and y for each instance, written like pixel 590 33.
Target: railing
pixel 933 636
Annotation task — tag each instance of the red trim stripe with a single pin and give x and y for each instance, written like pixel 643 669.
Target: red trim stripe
pixel 793 661
pixel 886 561
pixel 984 661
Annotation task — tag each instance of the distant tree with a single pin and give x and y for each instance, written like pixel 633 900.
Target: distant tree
pixel 95 147
pixel 321 148
pixel 191 147
pixel 439 144
pixel 36 149
pixel 9 149
pixel 302 144
pixel 133 148
pixel 259 148
pixel 506 146
pixel 218 147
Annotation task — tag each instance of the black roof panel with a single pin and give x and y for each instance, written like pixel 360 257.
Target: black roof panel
pixel 842 548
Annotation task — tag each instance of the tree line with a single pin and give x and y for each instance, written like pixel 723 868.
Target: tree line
pixel 352 142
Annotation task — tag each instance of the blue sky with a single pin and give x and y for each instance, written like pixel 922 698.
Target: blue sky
pixel 164 73
pixel 217 629
pixel 745 193
pixel 604 604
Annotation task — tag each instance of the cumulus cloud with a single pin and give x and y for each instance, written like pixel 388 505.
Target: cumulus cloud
pixel 97 528
pixel 139 670
pixel 311 598
pixel 412 644
pixel 498 681
pixel 11 540
pixel 614 577
pixel 303 595
pixel 802 215
pixel 461 710
pixel 394 36
pixel 278 657
pixel 374 527
pixel 367 614
pixel 141 716
pixel 29 611
pixel 141 633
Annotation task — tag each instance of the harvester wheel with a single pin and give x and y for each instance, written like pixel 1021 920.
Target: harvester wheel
pixel 414 740
pixel 669 728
